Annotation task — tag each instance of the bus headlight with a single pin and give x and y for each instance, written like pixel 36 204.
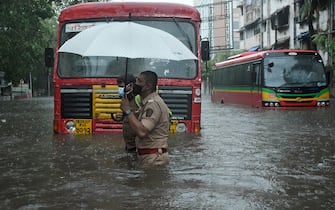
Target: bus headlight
pixel 70 126
pixel 271 104
pixel 180 128
pixel 322 103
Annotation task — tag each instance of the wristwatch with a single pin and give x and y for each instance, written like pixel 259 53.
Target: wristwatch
pixel 126 113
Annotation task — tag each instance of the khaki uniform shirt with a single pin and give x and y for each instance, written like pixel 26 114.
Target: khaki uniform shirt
pixel 154 116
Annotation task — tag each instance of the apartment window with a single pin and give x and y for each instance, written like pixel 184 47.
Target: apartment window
pixel 241 35
pixel 249 33
pixel 257 31
pixel 279 19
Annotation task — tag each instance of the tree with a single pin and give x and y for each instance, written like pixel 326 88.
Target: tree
pixel 307 15
pixel 323 40
pixel 25 29
pixel 309 8
pixel 327 44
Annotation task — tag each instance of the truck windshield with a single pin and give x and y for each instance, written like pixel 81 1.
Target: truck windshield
pixel 293 71
pixel 76 66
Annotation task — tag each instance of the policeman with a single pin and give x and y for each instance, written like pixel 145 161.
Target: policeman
pixel 152 125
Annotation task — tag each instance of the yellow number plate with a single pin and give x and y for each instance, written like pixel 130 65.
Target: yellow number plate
pixel 83 126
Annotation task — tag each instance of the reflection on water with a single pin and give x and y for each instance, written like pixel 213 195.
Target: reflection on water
pixel 244 158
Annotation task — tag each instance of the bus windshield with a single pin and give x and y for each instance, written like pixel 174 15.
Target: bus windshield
pixel 76 66
pixel 294 71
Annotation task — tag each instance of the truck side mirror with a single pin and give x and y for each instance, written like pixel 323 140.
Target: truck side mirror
pixel 205 50
pixel 49 57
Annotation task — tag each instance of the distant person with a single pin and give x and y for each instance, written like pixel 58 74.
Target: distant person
pixel 128 134
pixel 152 124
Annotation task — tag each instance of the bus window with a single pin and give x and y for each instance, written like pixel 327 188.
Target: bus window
pixel 293 71
pixel 71 65
pixel 255 74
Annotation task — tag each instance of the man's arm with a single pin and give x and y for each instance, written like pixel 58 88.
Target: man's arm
pixel 135 124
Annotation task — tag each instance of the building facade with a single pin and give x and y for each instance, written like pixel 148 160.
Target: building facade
pixel 217 22
pixel 276 24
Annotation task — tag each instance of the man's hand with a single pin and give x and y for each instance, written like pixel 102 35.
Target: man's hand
pixel 125 105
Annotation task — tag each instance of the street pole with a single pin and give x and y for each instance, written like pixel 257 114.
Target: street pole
pixel 48 83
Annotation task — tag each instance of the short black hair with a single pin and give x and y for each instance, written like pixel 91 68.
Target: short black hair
pixel 151 78
pixel 122 79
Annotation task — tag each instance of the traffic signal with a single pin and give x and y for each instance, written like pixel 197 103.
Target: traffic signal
pixel 49 57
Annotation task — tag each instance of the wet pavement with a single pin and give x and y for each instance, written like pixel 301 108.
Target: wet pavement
pixel 244 158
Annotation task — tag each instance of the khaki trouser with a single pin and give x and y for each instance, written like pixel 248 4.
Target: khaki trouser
pixel 154 159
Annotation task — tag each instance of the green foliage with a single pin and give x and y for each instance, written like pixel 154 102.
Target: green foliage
pixel 27 27
pixel 308 9
pixel 327 44
pixel 25 30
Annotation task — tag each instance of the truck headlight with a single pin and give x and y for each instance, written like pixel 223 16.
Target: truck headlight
pixel 180 128
pixel 70 126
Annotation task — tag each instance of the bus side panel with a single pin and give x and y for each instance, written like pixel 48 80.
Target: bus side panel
pixel 243 96
pixel 256 98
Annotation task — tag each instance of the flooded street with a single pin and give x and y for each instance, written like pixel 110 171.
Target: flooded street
pixel 244 158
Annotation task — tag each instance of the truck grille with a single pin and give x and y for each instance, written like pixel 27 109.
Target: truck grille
pixel 179 101
pixel 76 103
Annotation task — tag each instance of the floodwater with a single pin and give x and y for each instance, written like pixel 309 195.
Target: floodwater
pixel 244 158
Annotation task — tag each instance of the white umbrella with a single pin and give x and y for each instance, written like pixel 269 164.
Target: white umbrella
pixel 129 40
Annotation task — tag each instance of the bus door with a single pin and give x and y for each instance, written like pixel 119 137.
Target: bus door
pixel 256 96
